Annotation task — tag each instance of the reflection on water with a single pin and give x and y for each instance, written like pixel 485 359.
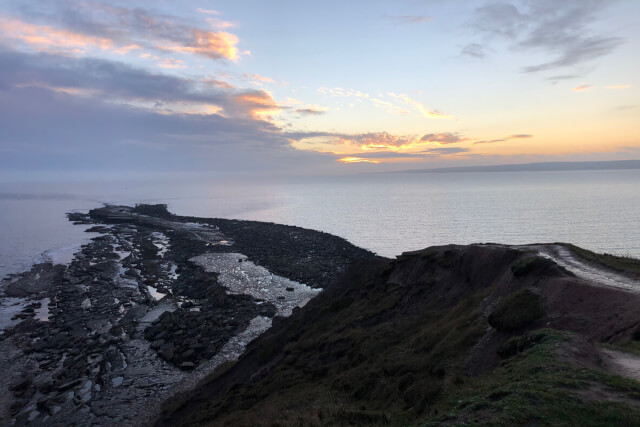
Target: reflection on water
pixel 387 213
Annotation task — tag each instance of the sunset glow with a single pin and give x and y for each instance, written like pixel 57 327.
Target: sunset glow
pixel 449 83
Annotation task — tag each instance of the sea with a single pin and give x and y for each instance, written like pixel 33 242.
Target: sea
pixel 385 213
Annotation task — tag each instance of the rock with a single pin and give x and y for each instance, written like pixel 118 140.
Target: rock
pixel 290 289
pixel 68 385
pixel 157 344
pixel 187 365
pixel 94 358
pixel 167 352
pixel 23 384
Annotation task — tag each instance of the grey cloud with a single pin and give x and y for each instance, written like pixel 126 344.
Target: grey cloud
pixel 446 150
pixel 500 19
pixel 555 79
pixel 561 30
pixel 409 19
pixel 120 82
pixel 443 138
pixel 473 50
pixel 43 129
pixel 576 51
pixel 506 138
pixel 310 111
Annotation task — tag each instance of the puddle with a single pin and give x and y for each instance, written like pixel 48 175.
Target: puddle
pixel 247 278
pixel 9 307
pixel 42 313
pixel 153 292
pixel 154 313
pixel 161 242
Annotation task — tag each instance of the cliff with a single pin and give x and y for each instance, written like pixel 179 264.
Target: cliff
pixel 486 334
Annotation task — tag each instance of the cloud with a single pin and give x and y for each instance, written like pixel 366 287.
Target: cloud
pixel 217 83
pixel 409 19
pixel 312 110
pixel 398 104
pixel 474 50
pixel 58 112
pixel 351 159
pixel 431 114
pixel 557 78
pixel 443 138
pixel 582 87
pixel 47 38
pixel 560 30
pixel 257 78
pixel 382 146
pixel 446 150
pixel 207 11
pixel 108 81
pixel 213 45
pixel 343 93
pixel 171 63
pixel 116 28
pixel 257 104
pixel 506 138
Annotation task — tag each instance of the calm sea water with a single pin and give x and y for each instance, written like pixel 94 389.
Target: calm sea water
pixel 388 214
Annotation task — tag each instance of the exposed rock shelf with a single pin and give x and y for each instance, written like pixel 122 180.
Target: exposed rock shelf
pixel 132 319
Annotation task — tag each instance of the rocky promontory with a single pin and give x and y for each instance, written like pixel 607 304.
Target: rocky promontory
pixel 171 320
pixel 151 305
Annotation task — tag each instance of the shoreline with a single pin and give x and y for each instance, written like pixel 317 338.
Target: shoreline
pixel 102 356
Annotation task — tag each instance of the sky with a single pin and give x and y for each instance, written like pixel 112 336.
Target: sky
pixel 295 87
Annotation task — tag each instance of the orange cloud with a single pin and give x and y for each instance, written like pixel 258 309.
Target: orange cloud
pixel 431 114
pixel 258 105
pixel 258 77
pixel 126 49
pixel 219 23
pixel 581 88
pixel 61 89
pixel 45 37
pixel 214 45
pixel 171 63
pixel 356 160
pixel 218 83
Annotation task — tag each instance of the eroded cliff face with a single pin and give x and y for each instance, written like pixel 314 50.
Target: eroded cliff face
pixel 445 335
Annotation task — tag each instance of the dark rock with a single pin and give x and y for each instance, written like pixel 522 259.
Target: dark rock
pixel 68 385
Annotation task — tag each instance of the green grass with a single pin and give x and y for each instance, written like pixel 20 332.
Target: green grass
pixel 516 311
pixel 620 263
pixel 537 387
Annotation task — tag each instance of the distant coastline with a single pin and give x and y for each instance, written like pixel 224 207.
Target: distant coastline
pixel 534 167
